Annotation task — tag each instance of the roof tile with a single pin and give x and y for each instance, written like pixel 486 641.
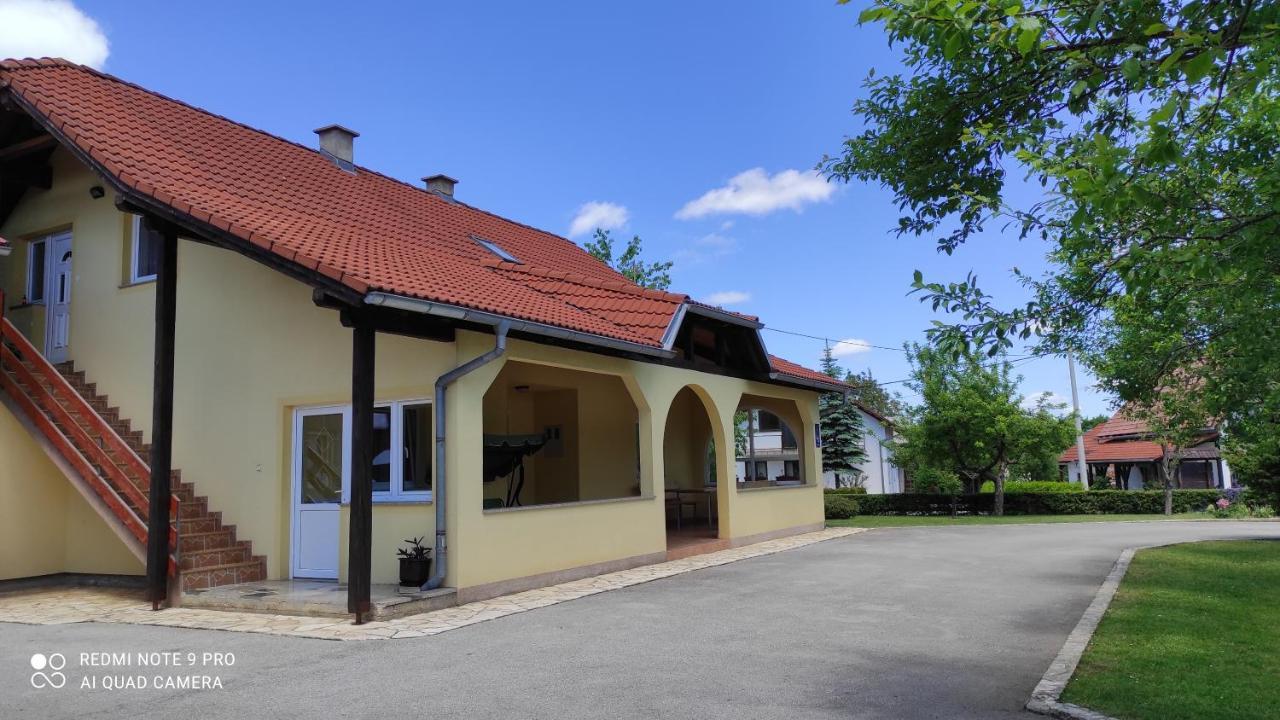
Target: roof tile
pixel 363 228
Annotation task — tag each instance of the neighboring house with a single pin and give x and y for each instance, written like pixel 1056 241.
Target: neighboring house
pixel 769 452
pixel 183 291
pixel 1123 451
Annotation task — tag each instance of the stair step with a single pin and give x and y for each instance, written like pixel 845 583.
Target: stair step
pixel 252 571
pixel 208 523
pixel 210 553
pixel 212 540
pixel 233 555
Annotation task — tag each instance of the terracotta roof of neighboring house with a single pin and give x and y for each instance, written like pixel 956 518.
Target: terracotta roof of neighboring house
pixel 362 229
pixel 1123 439
pixel 1098 450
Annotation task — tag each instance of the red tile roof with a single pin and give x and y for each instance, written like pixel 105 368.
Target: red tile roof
pixel 1098 450
pixel 362 229
pixel 1120 439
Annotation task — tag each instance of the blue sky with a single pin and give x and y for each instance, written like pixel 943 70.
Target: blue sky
pixel 675 121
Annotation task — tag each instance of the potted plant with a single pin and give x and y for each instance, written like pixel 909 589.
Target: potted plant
pixel 415 563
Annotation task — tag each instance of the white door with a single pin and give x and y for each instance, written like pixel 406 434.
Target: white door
pixel 58 294
pixel 321 462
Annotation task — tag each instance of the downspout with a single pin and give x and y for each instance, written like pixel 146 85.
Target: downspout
pixel 442 384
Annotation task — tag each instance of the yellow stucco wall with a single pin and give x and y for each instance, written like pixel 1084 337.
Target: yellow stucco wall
pixel 251 347
pixel 46 527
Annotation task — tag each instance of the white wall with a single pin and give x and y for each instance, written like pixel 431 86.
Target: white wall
pixel 882 476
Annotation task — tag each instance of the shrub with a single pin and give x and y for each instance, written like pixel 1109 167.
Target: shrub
pixel 1033 486
pixel 1226 509
pixel 938 482
pixel 846 491
pixel 840 506
pixel 1094 502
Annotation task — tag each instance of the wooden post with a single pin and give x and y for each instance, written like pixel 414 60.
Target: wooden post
pixel 360 546
pixel 158 549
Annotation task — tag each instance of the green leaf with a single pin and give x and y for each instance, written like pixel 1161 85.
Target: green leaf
pixel 953 45
pixel 1155 29
pixel 1131 68
pixel 872 14
pixel 1166 111
pixel 1199 66
pixel 1027 40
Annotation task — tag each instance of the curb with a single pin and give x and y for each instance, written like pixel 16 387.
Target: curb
pixel 1045 698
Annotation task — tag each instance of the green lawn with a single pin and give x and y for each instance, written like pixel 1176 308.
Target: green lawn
pixel 1194 632
pixel 873 521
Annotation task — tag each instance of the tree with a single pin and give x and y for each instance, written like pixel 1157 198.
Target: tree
pixel 1047 432
pixel 970 422
pixel 1176 422
pixel 1089 423
pixel 1150 127
pixel 843 435
pixel 654 275
pixel 873 395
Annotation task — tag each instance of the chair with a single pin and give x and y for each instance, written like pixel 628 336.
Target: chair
pixel 675 502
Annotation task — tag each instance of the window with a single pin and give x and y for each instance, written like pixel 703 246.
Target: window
pixel 416 440
pixel 144 258
pixel 36 252
pixel 768 449
pixel 402 438
pixel 496 249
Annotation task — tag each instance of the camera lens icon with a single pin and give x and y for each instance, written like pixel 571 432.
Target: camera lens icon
pixel 54 662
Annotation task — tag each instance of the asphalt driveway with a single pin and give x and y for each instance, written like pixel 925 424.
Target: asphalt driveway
pixel 893 623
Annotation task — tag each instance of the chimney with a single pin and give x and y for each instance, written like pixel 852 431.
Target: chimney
pixel 440 184
pixel 338 142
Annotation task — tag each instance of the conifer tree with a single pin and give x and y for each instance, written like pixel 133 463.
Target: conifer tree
pixel 843 445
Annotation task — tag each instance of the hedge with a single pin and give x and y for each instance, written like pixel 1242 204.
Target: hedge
pixel 839 506
pixel 1094 502
pixel 1020 486
pixel 846 491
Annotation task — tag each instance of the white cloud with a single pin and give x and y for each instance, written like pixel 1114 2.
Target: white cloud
pixel 50 28
pixel 603 215
pixel 1030 401
pixel 850 346
pixel 708 247
pixel 728 297
pixel 754 192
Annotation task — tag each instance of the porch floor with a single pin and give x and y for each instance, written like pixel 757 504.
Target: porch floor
pixel 316 598
pixel 687 542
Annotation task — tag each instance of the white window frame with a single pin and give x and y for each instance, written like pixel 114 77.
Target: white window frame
pixel 43 244
pixel 134 254
pixel 396 493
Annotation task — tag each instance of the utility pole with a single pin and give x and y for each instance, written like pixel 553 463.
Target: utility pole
pixel 1082 465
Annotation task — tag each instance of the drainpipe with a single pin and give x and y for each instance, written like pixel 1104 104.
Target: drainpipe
pixel 442 384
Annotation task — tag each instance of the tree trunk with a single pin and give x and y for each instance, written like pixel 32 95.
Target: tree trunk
pixel 997 507
pixel 1168 466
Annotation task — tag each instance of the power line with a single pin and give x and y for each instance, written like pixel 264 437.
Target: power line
pixel 863 344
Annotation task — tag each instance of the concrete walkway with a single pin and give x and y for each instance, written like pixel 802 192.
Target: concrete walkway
pixel 894 623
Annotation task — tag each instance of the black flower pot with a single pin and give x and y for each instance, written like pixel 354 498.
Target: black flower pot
pixel 414 573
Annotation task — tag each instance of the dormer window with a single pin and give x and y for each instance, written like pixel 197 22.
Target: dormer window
pixel 496 249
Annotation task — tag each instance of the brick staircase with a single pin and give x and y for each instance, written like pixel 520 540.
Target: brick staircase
pixel 106 453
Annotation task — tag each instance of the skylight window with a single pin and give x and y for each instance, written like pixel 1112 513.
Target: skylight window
pixel 496 249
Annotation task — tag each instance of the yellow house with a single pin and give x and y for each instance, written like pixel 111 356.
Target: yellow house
pixel 337 361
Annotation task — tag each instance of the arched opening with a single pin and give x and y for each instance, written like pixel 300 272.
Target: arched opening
pixel 554 435
pixel 689 478
pixel 768 443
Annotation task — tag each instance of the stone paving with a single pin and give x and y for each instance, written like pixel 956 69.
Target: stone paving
pixel 57 606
